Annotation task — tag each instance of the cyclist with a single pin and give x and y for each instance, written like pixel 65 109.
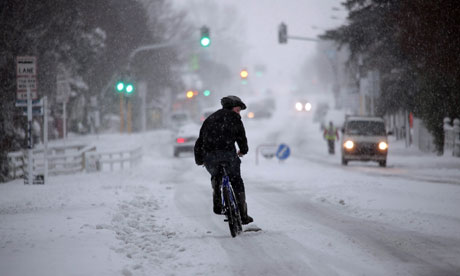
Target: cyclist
pixel 216 144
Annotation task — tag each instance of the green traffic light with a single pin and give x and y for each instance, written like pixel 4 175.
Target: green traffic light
pixel 129 88
pixel 205 41
pixel 120 86
pixel 207 93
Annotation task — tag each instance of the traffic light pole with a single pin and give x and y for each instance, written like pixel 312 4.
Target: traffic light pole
pixel 122 115
pixel 283 35
pixel 150 47
pixel 130 59
pixel 303 38
pixel 128 118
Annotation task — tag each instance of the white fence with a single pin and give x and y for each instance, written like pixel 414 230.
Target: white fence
pixel 16 164
pixel 452 137
pixel 98 161
pixel 71 159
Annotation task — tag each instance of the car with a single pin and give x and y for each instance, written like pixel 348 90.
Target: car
pixel 364 139
pixel 179 119
pixel 185 138
pixel 259 110
pixel 302 105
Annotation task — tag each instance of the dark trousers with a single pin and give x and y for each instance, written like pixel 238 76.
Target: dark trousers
pixel 212 163
pixel 331 146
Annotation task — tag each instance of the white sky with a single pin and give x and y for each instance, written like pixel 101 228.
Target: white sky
pixel 257 24
pixel 262 18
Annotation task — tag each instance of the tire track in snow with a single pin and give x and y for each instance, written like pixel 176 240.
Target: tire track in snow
pixel 262 253
pixel 403 251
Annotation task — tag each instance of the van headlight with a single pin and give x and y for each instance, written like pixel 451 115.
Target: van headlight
pixel 383 146
pixel 349 144
pixel 298 106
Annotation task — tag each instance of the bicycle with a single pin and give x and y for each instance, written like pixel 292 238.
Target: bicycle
pixel 229 204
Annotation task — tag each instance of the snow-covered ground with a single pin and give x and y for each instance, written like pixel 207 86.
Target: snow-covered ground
pixel 317 216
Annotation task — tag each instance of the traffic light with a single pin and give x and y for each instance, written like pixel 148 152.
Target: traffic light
pixel 189 94
pixel 205 39
pixel 282 33
pixel 207 92
pixel 244 74
pixel 129 88
pixel 120 86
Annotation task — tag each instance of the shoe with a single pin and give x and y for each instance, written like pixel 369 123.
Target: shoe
pixel 246 220
pixel 217 209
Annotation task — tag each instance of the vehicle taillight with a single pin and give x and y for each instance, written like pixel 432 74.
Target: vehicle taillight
pixel 180 140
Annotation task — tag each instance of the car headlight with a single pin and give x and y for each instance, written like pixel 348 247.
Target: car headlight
pixel 349 144
pixel 383 146
pixel 250 114
pixel 298 106
pixel 308 106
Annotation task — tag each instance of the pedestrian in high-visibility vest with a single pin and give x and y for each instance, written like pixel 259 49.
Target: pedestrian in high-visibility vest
pixel 331 135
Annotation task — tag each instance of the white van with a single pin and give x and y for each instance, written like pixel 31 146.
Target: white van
pixel 364 139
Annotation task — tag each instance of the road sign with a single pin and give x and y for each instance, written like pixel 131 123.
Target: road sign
pixel 36 110
pixel 25 82
pixel 20 103
pixel 283 152
pixel 62 84
pixel 26 67
pixel 26 77
pixel 62 91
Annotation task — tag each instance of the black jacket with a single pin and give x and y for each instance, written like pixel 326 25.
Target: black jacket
pixel 219 132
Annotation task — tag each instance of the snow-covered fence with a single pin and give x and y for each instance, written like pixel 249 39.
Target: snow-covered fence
pixel 71 159
pixel 97 161
pixel 452 137
pixel 15 164
pixel 61 160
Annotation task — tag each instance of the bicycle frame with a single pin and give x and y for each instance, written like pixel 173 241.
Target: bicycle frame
pixel 226 184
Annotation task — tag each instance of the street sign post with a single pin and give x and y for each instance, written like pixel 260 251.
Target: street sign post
pixel 26 90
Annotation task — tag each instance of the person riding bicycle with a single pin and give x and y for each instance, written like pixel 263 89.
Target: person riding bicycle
pixel 216 144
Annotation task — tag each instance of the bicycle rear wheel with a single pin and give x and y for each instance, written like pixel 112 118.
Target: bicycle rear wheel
pixel 232 212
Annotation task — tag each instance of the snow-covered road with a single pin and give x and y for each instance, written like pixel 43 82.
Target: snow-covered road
pixel 317 217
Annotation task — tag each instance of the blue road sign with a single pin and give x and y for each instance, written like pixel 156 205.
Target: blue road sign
pixel 36 111
pixel 283 152
pixel 22 103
